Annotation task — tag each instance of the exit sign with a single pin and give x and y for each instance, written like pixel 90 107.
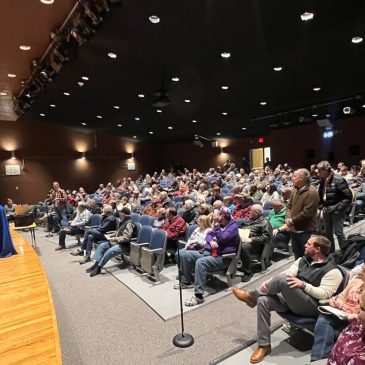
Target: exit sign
pixel 261 140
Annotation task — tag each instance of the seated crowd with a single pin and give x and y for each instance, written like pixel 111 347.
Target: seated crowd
pixel 256 211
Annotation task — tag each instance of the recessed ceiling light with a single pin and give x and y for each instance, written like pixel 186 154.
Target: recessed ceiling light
pixel 3 93
pixel 244 128
pixel 80 83
pixel 316 89
pixel 263 102
pixel 175 79
pixel 134 136
pixel 314 115
pixel 328 115
pixel 52 105
pixel 141 96
pixel 307 16
pixel 66 93
pixel 24 48
pixel 136 118
pixel 346 110
pixel 224 113
pixel 11 75
pixel 224 87
pixel 225 54
pixel 154 19
pixel 363 105
pixel 158 110
pixel 85 78
pixel 278 68
pixel 187 100
pixel 42 114
pixel 218 133
pixel 119 125
pixel 169 127
pixel 112 55
pixel 150 132
pixel 83 123
pixel 116 106
pixel 194 121
pixel 47 2
pixel 357 40
pixel 99 116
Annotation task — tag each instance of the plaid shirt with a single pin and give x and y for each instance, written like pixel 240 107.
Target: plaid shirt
pixel 58 198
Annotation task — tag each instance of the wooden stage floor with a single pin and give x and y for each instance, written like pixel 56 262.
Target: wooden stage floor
pixel 28 326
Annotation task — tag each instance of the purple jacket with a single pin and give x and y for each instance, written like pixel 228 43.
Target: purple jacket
pixel 227 238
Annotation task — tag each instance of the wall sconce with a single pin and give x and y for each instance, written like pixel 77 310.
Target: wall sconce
pixel 222 151
pixel 83 157
pixel 13 155
pixel 132 156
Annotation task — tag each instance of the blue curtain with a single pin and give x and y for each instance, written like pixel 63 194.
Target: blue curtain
pixel 6 244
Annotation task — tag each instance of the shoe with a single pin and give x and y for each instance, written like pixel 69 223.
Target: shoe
pixel 244 296
pixel 246 277
pixel 59 248
pixel 84 260
pixel 268 264
pixel 91 268
pixel 259 354
pixel 191 302
pixel 77 252
pixel 183 286
pixel 96 271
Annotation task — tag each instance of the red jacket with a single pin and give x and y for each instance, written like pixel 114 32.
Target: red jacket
pixel 174 228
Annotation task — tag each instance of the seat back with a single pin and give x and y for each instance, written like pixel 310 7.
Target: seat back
pixel 189 231
pixel 95 220
pixel 158 239
pixel 137 230
pixel 144 234
pixel 135 217
pixel 145 220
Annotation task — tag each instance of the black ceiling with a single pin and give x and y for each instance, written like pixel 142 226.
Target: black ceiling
pixel 187 43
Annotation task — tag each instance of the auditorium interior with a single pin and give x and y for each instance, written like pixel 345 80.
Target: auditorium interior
pixel 97 91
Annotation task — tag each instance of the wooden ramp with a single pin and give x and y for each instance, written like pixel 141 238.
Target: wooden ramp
pixel 28 325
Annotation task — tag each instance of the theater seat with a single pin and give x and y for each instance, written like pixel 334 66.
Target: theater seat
pixel 143 239
pixel 153 255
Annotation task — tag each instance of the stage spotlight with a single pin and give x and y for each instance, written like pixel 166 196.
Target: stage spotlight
pixel 346 110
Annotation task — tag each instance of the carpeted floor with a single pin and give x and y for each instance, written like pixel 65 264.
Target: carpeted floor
pixel 101 321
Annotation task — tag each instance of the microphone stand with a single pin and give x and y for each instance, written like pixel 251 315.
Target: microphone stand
pixel 181 339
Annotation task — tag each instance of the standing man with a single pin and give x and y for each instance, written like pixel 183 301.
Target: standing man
pixel 335 199
pixel 58 198
pixel 301 213
pixel 298 289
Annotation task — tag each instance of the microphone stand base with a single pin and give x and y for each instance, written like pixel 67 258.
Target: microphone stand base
pixel 183 340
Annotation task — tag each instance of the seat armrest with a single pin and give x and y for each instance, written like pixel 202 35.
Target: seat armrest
pixel 90 227
pixel 323 301
pixel 229 255
pixel 139 244
pixel 156 250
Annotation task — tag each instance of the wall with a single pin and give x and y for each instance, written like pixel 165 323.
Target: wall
pixel 52 153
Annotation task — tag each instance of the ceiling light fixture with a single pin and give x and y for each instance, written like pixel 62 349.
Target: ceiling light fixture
pixel 357 40
pixel 244 128
pixel 83 123
pixel 3 93
pixel 328 115
pixel 363 105
pixel 314 115
pixel 346 110
pixel 150 132
pixel 141 96
pixel 11 75
pixel 218 133
pixel 52 105
pixel 278 68
pixel 137 118
pixel 99 116
pixel 134 137
pixel 47 2
pixel 24 48
pixel 119 125
pixel 224 113
pixel 263 103
pixel 316 89
pixel 194 121
pixel 85 78
pixel 81 84
pixel 154 19
pixel 158 110
pixel 306 16
pixel 66 93
pixel 225 55
pixel 175 79
pixel 225 87
pixel 187 100
pixel 116 106
pixel 42 114
pixel 112 55
pixel 169 127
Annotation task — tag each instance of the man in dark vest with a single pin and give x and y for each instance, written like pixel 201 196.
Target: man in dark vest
pixel 116 244
pixel 298 289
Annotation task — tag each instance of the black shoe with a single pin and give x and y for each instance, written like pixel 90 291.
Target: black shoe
pixel 96 271
pixel 247 277
pixel 268 264
pixel 91 268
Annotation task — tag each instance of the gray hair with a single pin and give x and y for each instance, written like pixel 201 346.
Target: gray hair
pixel 324 165
pixel 305 173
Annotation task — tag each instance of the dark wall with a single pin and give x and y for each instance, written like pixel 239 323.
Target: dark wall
pixel 49 153
pixel 52 153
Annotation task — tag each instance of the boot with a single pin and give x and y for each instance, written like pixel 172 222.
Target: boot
pixel 91 268
pixel 96 271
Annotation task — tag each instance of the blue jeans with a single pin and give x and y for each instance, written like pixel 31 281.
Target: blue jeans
pixel 326 331
pixel 203 264
pixel 61 215
pixel 333 223
pixel 106 252
pixel 91 236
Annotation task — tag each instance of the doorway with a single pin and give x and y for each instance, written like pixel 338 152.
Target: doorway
pixel 258 157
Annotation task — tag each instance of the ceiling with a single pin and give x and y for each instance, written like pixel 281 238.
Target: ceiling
pixel 187 43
